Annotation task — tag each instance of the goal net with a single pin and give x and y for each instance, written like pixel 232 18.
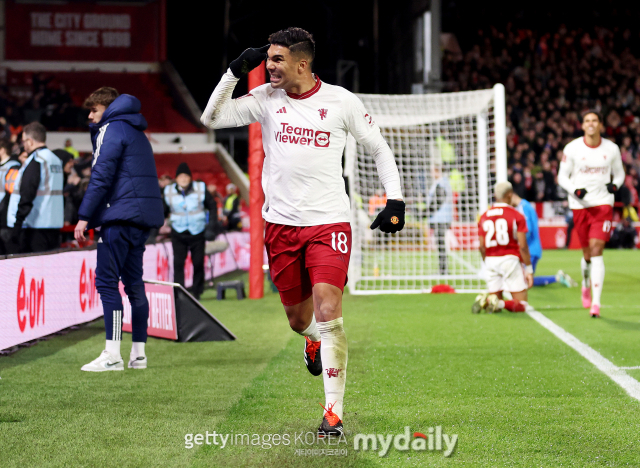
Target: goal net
pixel 450 150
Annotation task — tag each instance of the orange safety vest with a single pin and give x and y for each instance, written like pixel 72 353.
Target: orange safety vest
pixel 10 180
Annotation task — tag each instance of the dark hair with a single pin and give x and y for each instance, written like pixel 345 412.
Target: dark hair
pixel 6 144
pixel 591 111
pixel 36 131
pixel 104 96
pixel 297 40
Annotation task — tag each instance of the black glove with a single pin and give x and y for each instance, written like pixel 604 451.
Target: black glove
pixel 580 193
pixel 611 187
pixel 391 219
pixel 248 60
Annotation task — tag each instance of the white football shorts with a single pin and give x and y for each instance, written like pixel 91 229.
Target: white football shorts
pixel 505 274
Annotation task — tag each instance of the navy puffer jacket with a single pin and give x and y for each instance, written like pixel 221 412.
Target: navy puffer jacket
pixel 124 181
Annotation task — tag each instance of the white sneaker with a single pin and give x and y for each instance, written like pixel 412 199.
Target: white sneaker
pixel 105 362
pixel 138 363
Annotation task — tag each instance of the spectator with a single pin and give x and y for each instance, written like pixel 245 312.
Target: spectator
pixel 231 209
pixel 68 147
pixel 213 190
pixel 75 189
pixel 623 236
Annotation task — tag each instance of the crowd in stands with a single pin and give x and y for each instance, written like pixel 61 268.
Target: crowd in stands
pixel 42 99
pixel 77 172
pixel 550 80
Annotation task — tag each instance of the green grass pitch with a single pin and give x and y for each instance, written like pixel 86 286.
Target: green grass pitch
pixel 513 393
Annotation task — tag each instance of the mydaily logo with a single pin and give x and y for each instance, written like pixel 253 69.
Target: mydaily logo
pixel 419 442
pixel 433 440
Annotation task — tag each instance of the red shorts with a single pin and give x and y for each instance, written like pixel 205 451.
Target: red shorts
pixel 593 223
pixel 300 257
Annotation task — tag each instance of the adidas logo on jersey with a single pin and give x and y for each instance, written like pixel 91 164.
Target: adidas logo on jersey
pixel 282 111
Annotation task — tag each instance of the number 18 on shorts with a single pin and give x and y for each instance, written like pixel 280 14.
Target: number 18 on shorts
pixel 302 256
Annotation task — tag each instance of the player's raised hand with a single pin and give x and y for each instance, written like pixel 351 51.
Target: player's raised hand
pixel 612 188
pixel 580 193
pixel 391 219
pixel 248 60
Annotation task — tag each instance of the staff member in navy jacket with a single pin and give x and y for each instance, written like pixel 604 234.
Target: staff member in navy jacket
pixel 187 203
pixel 123 199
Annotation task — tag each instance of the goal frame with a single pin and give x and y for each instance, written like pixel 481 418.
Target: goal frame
pixel 499 131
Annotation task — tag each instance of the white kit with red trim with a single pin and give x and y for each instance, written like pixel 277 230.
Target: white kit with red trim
pixel 590 167
pixel 304 136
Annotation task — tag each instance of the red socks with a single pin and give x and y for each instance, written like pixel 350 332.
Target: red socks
pixel 514 306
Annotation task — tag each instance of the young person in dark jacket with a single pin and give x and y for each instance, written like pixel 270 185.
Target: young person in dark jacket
pixel 186 203
pixel 123 199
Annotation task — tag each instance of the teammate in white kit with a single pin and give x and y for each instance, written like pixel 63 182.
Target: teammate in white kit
pixel 585 173
pixel 308 236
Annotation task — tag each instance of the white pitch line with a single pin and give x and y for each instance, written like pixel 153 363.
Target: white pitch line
pixel 630 368
pixel 615 373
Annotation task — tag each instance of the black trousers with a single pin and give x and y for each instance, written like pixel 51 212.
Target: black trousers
pixel 31 241
pixel 440 232
pixel 6 246
pixel 183 243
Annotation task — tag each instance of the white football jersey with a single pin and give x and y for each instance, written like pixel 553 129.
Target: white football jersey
pixel 304 137
pixel 590 168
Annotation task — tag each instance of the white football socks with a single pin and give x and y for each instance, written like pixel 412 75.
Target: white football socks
pixel 113 346
pixel 312 330
pixel 586 272
pixel 597 278
pixel 334 363
pixel 137 349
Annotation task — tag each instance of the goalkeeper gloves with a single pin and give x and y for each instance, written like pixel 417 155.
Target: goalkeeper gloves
pixel 391 219
pixel 248 60
pixel 611 187
pixel 580 193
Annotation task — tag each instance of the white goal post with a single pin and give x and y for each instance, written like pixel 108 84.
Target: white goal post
pixel 450 150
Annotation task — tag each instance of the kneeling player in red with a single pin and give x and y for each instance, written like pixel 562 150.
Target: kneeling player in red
pixel 503 245
pixel 305 124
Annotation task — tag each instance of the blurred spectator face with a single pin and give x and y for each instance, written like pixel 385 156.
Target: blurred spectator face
pixel 212 188
pixel 28 143
pixel 86 172
pixel 164 180
pixel 231 189
pixel 95 114
pixel 23 157
pixel 68 167
pixel 67 143
pixel 517 178
pixel 591 125
pixel 183 180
